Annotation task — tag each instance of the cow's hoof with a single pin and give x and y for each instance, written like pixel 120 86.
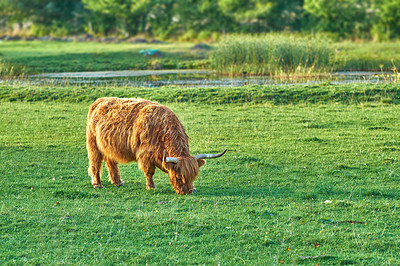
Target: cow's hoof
pixel 97 186
pixel 120 184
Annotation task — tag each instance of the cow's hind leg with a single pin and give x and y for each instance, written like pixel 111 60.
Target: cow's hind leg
pixel 95 167
pixel 115 176
pixel 95 159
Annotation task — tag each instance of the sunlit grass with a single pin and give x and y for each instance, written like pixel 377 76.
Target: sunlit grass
pixel 304 181
pixel 368 56
pixel 273 55
pixel 315 93
pixel 10 71
pixel 48 57
pixel 281 55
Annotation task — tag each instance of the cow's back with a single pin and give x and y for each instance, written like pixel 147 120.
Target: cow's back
pixel 127 129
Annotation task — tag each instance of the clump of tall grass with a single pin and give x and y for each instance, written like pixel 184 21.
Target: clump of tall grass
pixel 10 71
pixel 388 77
pixel 273 55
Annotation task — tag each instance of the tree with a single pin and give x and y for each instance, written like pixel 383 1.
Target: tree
pixel 130 15
pixel 263 15
pixel 199 15
pixel 344 17
pixel 54 14
pixel 387 19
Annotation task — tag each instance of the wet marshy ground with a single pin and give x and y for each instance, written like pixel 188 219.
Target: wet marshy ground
pixel 201 78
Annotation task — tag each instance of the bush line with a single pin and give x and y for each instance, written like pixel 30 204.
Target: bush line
pixel 277 95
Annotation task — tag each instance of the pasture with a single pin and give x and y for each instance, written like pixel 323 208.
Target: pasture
pixel 311 176
pixel 41 56
pixel 232 55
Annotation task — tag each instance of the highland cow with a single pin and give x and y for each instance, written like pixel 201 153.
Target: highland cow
pixel 124 130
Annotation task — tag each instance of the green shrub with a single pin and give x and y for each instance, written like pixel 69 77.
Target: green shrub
pixel 189 35
pixel 204 35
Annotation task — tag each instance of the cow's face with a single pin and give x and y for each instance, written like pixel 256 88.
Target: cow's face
pixel 183 173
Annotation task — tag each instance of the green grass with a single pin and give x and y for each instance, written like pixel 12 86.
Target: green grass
pixel 368 56
pixel 319 93
pixel 42 56
pixel 10 71
pixel 287 54
pixel 273 55
pixel 261 203
pixel 279 55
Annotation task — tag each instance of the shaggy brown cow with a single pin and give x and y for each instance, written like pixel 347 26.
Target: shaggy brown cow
pixel 125 130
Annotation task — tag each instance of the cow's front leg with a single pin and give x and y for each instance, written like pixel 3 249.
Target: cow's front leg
pixel 149 172
pixel 115 176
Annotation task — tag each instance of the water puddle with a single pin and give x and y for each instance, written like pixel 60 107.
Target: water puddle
pixel 199 78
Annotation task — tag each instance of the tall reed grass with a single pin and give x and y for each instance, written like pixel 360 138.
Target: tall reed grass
pixel 273 55
pixel 10 71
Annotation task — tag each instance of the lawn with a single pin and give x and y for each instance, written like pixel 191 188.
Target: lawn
pixel 50 57
pixel 308 180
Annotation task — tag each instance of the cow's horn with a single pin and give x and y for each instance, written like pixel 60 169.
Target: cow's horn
pixel 209 156
pixel 169 159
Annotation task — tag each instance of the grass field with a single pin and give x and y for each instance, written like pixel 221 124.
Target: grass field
pixel 42 56
pixel 313 179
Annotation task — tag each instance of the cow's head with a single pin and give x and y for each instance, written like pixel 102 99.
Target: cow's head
pixel 182 171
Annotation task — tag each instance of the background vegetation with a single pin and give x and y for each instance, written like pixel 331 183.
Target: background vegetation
pixel 233 55
pixel 274 55
pixel 201 19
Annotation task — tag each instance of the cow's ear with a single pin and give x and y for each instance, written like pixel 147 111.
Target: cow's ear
pixel 201 162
